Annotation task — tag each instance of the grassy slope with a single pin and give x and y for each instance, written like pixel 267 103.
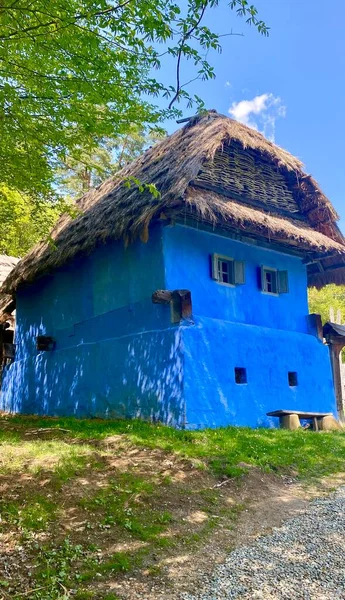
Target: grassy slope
pixel 91 500
pixel 221 450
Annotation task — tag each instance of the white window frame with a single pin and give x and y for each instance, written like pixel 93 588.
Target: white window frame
pixel 215 270
pixel 264 269
pixel 277 273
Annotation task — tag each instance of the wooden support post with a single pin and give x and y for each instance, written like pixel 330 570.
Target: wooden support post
pixel 180 302
pixel 315 325
pixel 335 349
pixel 162 297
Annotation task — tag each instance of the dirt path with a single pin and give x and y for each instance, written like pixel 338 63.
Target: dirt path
pixel 267 502
pixel 108 518
pixel 303 559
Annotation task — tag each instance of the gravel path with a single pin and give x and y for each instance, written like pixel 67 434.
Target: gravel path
pixel 304 559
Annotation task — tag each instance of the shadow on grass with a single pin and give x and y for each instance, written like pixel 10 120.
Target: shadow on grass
pixel 308 453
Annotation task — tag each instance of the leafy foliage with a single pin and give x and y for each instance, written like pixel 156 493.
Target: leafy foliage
pixel 87 168
pixel 329 297
pixel 72 72
pixel 23 222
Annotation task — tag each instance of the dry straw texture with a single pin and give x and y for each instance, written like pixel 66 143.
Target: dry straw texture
pixel 116 211
pixel 210 207
pixel 7 263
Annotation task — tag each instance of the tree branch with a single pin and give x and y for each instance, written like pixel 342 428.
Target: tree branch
pixel 55 20
pixel 179 56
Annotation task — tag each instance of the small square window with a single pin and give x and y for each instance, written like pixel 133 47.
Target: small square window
pixel 240 375
pixel 269 281
pixel 227 270
pixel 292 377
pixel 274 281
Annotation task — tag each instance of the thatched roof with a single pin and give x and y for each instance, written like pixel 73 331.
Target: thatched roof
pixel 7 263
pixel 209 207
pixel 183 167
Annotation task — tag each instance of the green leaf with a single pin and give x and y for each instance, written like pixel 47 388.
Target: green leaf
pixel 74 73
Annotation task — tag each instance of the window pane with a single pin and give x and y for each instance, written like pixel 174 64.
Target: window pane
pixel 270 281
pixel 225 270
pixel 219 271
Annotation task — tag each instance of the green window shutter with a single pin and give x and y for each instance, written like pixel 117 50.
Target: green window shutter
pixel 261 278
pixel 282 282
pixel 239 272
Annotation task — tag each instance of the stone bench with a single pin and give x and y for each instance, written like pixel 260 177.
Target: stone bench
pixel 290 419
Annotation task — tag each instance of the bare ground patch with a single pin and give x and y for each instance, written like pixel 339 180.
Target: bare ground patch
pixel 107 519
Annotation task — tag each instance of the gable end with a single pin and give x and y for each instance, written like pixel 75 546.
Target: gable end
pixel 243 174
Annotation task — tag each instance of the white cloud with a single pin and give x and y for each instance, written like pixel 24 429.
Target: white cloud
pixel 259 113
pixel 228 84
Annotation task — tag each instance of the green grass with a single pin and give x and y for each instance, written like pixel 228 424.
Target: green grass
pixel 69 566
pixel 39 455
pixel 308 453
pixel 57 566
pixel 117 504
pixel 128 521
pixel 118 562
pixel 35 514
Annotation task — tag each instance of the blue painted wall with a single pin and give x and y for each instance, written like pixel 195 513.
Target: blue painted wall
pixel 117 354
pixel 187 253
pixel 243 327
pixel 212 350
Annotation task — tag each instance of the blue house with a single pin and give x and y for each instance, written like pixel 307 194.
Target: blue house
pixel 179 293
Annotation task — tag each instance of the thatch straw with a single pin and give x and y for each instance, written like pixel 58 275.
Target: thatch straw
pixel 116 211
pixel 7 263
pixel 212 208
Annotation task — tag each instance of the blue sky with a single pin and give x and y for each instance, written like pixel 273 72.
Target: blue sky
pixel 293 82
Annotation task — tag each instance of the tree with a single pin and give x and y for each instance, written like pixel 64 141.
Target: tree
pixel 75 71
pixel 23 222
pixel 330 296
pixel 87 168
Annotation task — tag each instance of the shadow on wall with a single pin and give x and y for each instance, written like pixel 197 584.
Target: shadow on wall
pixel 133 376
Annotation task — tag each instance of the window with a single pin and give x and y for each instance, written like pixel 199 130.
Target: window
pixel 227 270
pixel 240 375
pixel 269 281
pixel 274 281
pixel 292 378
